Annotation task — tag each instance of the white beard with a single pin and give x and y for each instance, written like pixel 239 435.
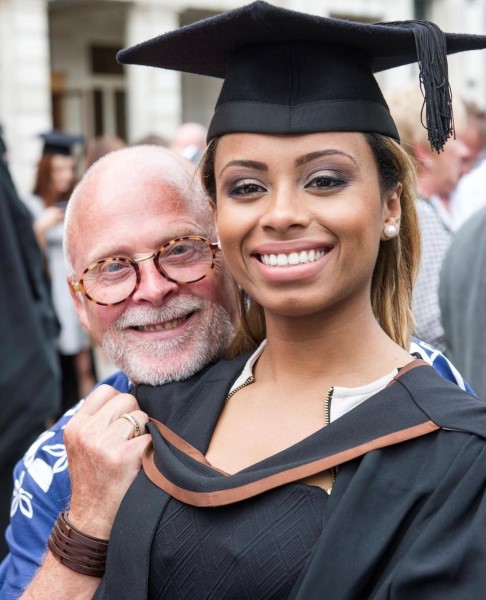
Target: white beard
pixel 162 361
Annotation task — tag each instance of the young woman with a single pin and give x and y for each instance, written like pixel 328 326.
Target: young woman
pixel 55 179
pixel 322 461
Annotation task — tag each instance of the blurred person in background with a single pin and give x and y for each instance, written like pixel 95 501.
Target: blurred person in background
pixel 152 139
pixel 470 194
pixel 55 179
pixel 437 177
pixel 474 136
pixel 189 140
pixel 462 297
pixel 99 146
pixel 30 375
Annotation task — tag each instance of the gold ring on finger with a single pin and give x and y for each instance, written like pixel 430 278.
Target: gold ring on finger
pixel 134 422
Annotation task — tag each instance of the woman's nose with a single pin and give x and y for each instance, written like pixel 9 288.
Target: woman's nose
pixel 285 209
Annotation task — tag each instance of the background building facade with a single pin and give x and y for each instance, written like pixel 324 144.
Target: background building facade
pixel 58 67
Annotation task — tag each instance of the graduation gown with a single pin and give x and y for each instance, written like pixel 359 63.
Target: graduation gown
pixel 407 514
pixel 29 369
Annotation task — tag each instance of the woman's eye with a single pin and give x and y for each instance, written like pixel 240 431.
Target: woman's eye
pixel 246 189
pixel 324 182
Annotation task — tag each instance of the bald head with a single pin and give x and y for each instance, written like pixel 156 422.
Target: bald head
pixel 140 177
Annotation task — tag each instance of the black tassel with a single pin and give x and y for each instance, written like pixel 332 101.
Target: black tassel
pixel 431 48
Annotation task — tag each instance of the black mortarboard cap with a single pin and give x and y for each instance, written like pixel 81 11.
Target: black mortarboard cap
pixel 288 72
pixel 58 142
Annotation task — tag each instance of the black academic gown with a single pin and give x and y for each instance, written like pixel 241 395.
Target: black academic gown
pixel 407 514
pixel 29 371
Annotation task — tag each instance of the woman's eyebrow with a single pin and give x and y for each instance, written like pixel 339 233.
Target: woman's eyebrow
pixel 320 153
pixel 250 164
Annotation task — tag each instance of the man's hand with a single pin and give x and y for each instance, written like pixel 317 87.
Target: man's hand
pixel 104 458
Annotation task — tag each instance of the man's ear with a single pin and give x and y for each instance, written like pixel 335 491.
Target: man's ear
pixel 79 303
pixel 392 210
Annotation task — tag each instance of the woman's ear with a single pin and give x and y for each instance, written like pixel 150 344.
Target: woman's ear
pixel 392 212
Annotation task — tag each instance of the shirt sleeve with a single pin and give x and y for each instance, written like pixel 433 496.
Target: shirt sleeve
pixel 440 362
pixel 42 489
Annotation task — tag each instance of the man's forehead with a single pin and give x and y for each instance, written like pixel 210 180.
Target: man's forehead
pixel 145 232
pixel 115 196
pixel 136 187
pixel 122 226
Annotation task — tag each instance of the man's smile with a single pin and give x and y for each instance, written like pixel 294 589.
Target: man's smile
pixel 164 326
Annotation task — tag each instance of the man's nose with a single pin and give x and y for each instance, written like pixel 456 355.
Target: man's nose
pixel 154 287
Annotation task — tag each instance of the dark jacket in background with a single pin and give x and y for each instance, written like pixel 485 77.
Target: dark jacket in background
pixel 29 370
pixel 462 297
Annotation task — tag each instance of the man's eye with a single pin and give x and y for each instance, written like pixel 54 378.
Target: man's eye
pixel 113 267
pixel 179 250
pixel 111 272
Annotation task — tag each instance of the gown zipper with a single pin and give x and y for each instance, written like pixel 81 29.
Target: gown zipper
pixel 327 420
pixel 237 389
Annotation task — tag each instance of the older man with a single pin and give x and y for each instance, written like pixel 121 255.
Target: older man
pixel 129 206
pixel 159 325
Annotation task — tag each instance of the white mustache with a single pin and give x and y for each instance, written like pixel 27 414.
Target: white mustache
pixel 175 308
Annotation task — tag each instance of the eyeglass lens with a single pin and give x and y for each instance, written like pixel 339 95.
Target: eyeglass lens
pixel 114 279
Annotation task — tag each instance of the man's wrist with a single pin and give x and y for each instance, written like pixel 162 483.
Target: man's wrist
pixel 77 550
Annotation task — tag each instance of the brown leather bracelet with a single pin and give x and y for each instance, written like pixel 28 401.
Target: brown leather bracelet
pixel 76 550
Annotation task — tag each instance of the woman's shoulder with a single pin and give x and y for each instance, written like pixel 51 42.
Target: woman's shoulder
pixel 444 402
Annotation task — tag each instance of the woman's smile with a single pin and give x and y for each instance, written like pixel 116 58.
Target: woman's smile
pixel 291 259
pixel 292 267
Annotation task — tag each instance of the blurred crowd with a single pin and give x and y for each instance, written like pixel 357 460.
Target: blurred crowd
pixel 448 296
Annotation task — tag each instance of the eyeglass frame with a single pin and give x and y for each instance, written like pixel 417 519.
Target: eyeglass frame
pixel 78 286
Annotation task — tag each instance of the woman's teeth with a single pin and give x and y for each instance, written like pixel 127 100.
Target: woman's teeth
pixel 294 258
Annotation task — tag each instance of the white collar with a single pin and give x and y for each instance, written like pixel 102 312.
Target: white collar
pixel 343 399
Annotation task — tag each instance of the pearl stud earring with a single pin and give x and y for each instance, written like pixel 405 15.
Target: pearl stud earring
pixel 390 231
